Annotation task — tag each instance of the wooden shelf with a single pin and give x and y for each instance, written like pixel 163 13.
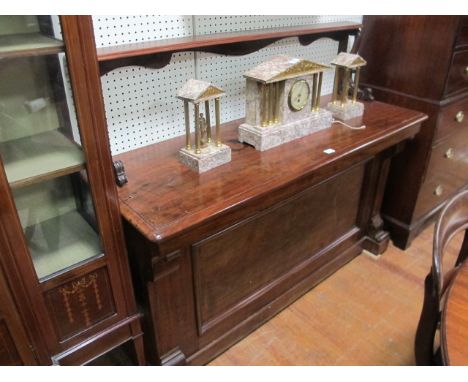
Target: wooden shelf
pixel 232 43
pixel 40 157
pixel 28 44
pixel 61 242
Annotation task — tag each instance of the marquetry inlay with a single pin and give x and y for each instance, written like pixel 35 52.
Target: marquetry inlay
pixel 81 303
pixel 78 288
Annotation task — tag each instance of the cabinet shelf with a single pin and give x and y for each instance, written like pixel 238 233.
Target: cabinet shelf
pixel 40 157
pixel 28 44
pixel 234 43
pixel 61 242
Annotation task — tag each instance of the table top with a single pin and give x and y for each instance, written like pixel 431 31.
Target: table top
pixel 163 197
pixel 454 328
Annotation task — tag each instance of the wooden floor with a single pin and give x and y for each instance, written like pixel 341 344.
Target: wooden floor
pixel 364 314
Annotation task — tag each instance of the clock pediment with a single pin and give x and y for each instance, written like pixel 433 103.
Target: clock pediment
pixel 349 60
pixel 197 91
pixel 283 67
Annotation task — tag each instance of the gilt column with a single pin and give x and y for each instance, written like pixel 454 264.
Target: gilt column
pixel 208 123
pixel 197 129
pixel 187 125
pixel 218 122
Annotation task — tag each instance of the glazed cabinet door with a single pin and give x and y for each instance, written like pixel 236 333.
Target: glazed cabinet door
pixel 41 149
pixel 60 211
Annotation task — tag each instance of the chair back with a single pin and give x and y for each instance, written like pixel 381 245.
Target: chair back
pixel 452 220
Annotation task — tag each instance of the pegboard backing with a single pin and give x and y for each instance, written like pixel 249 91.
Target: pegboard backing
pixel 141 107
pixel 140 103
pixel 57 29
pixel 117 30
pixel 69 96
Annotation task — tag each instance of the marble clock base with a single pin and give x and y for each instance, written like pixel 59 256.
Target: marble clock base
pixel 347 111
pixel 210 157
pixel 265 138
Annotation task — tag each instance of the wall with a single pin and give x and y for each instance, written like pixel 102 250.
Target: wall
pixel 141 107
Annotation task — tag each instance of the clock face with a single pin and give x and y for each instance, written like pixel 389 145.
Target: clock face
pixel 299 95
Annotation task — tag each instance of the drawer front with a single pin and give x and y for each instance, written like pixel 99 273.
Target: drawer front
pixel 458 76
pixel 447 173
pixel 452 119
pixel 462 38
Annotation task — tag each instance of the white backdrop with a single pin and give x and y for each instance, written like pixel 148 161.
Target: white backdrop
pixel 141 107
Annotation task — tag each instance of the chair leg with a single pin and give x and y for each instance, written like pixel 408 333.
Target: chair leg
pixel 424 341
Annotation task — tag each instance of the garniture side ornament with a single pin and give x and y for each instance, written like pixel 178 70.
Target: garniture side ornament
pixel 207 151
pixel 344 104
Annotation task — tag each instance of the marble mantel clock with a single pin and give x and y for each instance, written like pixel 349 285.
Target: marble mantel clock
pixel 283 102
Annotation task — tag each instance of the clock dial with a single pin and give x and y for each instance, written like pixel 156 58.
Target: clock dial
pixel 299 95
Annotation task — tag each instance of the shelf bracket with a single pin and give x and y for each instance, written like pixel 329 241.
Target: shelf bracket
pixel 152 61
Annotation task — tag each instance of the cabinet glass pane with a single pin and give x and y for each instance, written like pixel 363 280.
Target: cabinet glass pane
pixel 58 222
pixel 41 148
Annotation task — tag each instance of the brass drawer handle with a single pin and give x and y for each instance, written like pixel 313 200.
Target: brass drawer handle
pixel 459 117
pixel 466 70
pixel 450 153
pixel 439 190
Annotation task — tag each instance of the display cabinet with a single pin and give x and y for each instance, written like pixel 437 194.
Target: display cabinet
pixel 62 246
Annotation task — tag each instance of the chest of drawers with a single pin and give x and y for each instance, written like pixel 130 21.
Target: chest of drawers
pixel 421 62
